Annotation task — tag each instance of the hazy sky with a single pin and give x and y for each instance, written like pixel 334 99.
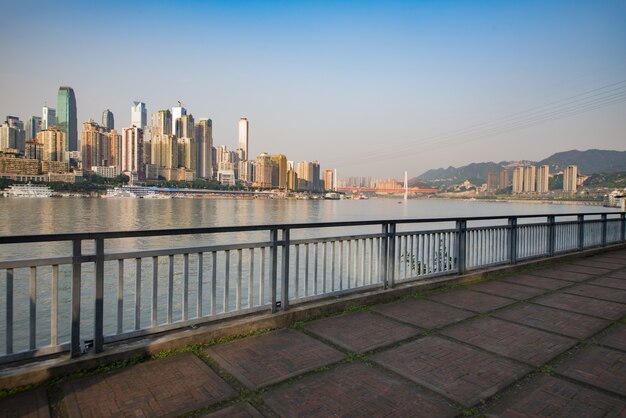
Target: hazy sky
pixel 369 88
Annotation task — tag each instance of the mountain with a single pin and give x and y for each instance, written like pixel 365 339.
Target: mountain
pixel 589 162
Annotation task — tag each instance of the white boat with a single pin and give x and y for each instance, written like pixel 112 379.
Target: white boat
pixel 131 191
pixel 118 192
pixel 28 190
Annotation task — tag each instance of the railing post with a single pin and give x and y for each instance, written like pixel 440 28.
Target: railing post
pixel 273 268
pixel 391 270
pixel 461 227
pixel 383 254
pixel 581 232
pixel 604 225
pixel 98 339
pixel 513 240
pixel 551 235
pixel 623 231
pixel 285 273
pixel 76 277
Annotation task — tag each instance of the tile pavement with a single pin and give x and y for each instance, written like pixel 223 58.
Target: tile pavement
pixel 480 342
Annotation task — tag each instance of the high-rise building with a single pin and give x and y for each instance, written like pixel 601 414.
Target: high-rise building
pixel 54 146
pixel 530 179
pixel 132 151
pixel 204 142
pixel 95 146
pixel 184 126
pixel 66 116
pixel 48 117
pixel 177 112
pixel 518 180
pixel 162 122
pixel 115 149
pixel 570 178
pixel 138 115
pixel 543 179
pixel 263 171
pixel 108 122
pixel 328 179
pixel 280 162
pixel 493 181
pixel 33 125
pixel 12 134
pixel 244 133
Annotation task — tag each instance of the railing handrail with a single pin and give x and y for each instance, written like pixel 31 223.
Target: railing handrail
pixel 31 238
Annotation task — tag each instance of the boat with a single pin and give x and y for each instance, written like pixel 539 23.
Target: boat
pixel 28 190
pixel 131 191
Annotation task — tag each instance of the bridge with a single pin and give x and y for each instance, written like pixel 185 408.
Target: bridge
pixel 522 337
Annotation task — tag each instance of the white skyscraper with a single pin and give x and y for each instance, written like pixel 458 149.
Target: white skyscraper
pixel 177 112
pixel 48 117
pixel 243 137
pixel 138 115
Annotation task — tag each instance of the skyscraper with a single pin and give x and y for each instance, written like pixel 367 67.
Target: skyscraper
pixel 138 115
pixel 530 179
pixel 543 176
pixel 12 134
pixel 518 179
pixel 33 125
pixel 204 142
pixel 54 147
pixel 48 117
pixel 280 161
pixel 243 137
pixel 108 122
pixel 132 151
pixel 177 112
pixel 66 116
pixel 570 178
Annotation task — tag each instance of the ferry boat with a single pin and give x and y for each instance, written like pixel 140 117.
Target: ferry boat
pixel 131 191
pixel 28 190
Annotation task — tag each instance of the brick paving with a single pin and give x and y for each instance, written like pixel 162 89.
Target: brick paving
pixel 581 304
pixel 31 404
pixel 423 313
pixel 553 397
pixel 536 281
pixel 361 331
pixel 518 342
pixel 473 301
pixel 615 338
pixel 599 366
pixel 483 347
pixel 549 319
pixel 464 374
pixel 273 357
pixel 167 387
pixel 355 390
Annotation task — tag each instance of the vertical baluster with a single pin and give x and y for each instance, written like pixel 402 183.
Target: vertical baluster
pixel 120 295
pixel 262 278
pixel 199 297
pixel 9 311
pixel 315 249
pixel 363 262
pixel 356 263
pixel 324 268
pixel 340 265
pixel 297 278
pixel 239 279
pixel 349 263
pixel 76 282
pixel 185 287
pixel 226 281
pixel 213 283
pixel 170 290
pixel 251 280
pixel 137 294
pixel 54 313
pixel 371 263
pixel 306 270
pixel 332 271
pixel 155 284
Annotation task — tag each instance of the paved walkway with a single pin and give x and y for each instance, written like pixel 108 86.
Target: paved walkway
pixel 549 342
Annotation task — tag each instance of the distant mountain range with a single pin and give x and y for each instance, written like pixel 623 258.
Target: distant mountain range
pixel 589 162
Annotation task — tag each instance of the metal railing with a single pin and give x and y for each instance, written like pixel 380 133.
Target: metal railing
pixel 87 293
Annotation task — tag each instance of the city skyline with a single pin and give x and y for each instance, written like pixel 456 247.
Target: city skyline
pixel 428 85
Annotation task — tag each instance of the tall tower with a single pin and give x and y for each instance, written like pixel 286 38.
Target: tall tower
pixel 243 137
pixel 66 116
pixel 543 178
pixel 570 178
pixel 138 115
pixel 177 112
pixel 48 117
pixel 108 122
pixel 204 142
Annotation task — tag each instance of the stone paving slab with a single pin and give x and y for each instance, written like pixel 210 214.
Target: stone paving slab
pixel 423 313
pixel 506 289
pixel 598 292
pixel 537 281
pixel 616 338
pixel 620 262
pixel 518 342
pixel 610 282
pixel 581 304
pixel 551 397
pixel 464 374
pixel 594 271
pixel 561 274
pixel 355 390
pixel 555 320
pixel 621 274
pixel 361 331
pixel 598 366
pixel 167 387
pixel 603 264
pixel 240 410
pixel 30 404
pixel 473 301
pixel 273 357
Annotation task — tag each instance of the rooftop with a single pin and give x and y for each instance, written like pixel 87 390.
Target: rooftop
pixel 544 342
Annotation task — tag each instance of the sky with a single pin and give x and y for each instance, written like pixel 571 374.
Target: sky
pixel 369 88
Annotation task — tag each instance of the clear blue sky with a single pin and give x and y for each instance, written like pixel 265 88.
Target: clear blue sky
pixel 369 88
